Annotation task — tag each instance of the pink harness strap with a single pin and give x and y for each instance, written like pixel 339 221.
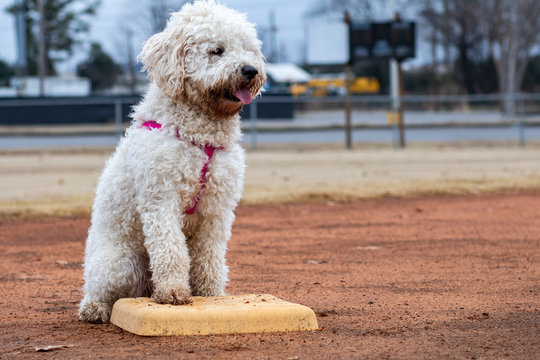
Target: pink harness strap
pixel 151 125
pixel 208 150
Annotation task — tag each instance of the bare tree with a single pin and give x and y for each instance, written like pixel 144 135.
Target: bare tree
pixel 160 10
pixel 362 10
pixel 454 24
pixel 358 9
pixel 150 20
pixel 512 29
pixel 152 15
pixel 508 29
pixel 432 29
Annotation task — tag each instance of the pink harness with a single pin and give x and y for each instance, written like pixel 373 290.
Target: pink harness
pixel 208 150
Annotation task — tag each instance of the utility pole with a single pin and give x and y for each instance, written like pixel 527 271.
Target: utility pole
pixel 20 30
pixel 42 65
pixel 273 37
pixel 396 90
pixel 348 109
pixel 396 79
pixel 348 80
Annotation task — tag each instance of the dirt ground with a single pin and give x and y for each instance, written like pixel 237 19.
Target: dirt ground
pixel 434 277
pixel 63 181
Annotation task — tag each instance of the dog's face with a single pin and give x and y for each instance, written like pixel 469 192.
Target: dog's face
pixel 208 55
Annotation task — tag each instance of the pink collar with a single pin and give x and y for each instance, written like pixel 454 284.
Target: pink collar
pixel 208 150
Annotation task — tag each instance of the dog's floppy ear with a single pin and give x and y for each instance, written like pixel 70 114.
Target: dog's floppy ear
pixel 163 57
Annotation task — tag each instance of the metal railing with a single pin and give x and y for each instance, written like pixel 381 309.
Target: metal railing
pixel 467 112
pixel 328 113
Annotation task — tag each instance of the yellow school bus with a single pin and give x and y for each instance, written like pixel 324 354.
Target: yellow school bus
pixel 336 86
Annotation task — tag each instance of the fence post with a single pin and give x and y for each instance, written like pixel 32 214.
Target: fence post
pixel 521 122
pixel 396 84
pixel 118 118
pixel 348 122
pixel 253 122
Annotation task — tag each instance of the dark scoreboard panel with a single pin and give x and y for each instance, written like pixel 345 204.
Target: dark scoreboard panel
pixel 385 40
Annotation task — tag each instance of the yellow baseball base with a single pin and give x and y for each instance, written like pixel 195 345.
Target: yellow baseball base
pixel 231 314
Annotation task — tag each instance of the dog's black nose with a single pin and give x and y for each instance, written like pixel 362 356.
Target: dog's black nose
pixel 249 72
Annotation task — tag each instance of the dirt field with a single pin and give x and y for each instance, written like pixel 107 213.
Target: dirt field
pixel 431 252
pixel 432 277
pixel 62 182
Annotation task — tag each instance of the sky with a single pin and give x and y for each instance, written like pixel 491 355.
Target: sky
pixel 113 16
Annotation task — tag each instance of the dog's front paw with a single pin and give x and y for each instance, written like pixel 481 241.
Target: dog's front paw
pixel 95 312
pixel 172 295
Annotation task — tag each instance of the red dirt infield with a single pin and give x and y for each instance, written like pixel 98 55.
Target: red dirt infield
pixel 432 277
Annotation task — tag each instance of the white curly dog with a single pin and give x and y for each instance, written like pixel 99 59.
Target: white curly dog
pixel 164 204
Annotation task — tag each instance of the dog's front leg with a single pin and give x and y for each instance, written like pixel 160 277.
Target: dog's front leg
pixel 207 250
pixel 168 253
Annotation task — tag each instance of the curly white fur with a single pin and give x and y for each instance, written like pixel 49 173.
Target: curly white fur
pixel 141 241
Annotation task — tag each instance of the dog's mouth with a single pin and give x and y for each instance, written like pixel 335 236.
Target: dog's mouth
pixel 242 95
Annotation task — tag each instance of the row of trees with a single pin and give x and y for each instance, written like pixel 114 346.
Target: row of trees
pixel 483 46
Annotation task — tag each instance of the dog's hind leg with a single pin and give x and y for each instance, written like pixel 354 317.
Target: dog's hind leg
pixel 111 273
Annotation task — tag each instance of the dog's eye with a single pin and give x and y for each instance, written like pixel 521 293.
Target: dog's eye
pixel 218 51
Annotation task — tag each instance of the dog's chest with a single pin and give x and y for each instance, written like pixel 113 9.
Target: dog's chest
pixel 217 180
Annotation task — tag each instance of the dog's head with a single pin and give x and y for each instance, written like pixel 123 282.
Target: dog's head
pixel 208 55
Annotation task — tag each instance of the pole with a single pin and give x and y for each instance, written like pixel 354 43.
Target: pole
pixel 21 47
pixel 348 123
pixel 130 60
pixel 42 66
pixel 273 37
pixel 401 125
pixel 396 88
pixel 253 122
pixel 348 75
pixel 118 118
pixel 521 123
pixel 394 94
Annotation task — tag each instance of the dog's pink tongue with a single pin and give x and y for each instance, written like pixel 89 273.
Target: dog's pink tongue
pixel 244 96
